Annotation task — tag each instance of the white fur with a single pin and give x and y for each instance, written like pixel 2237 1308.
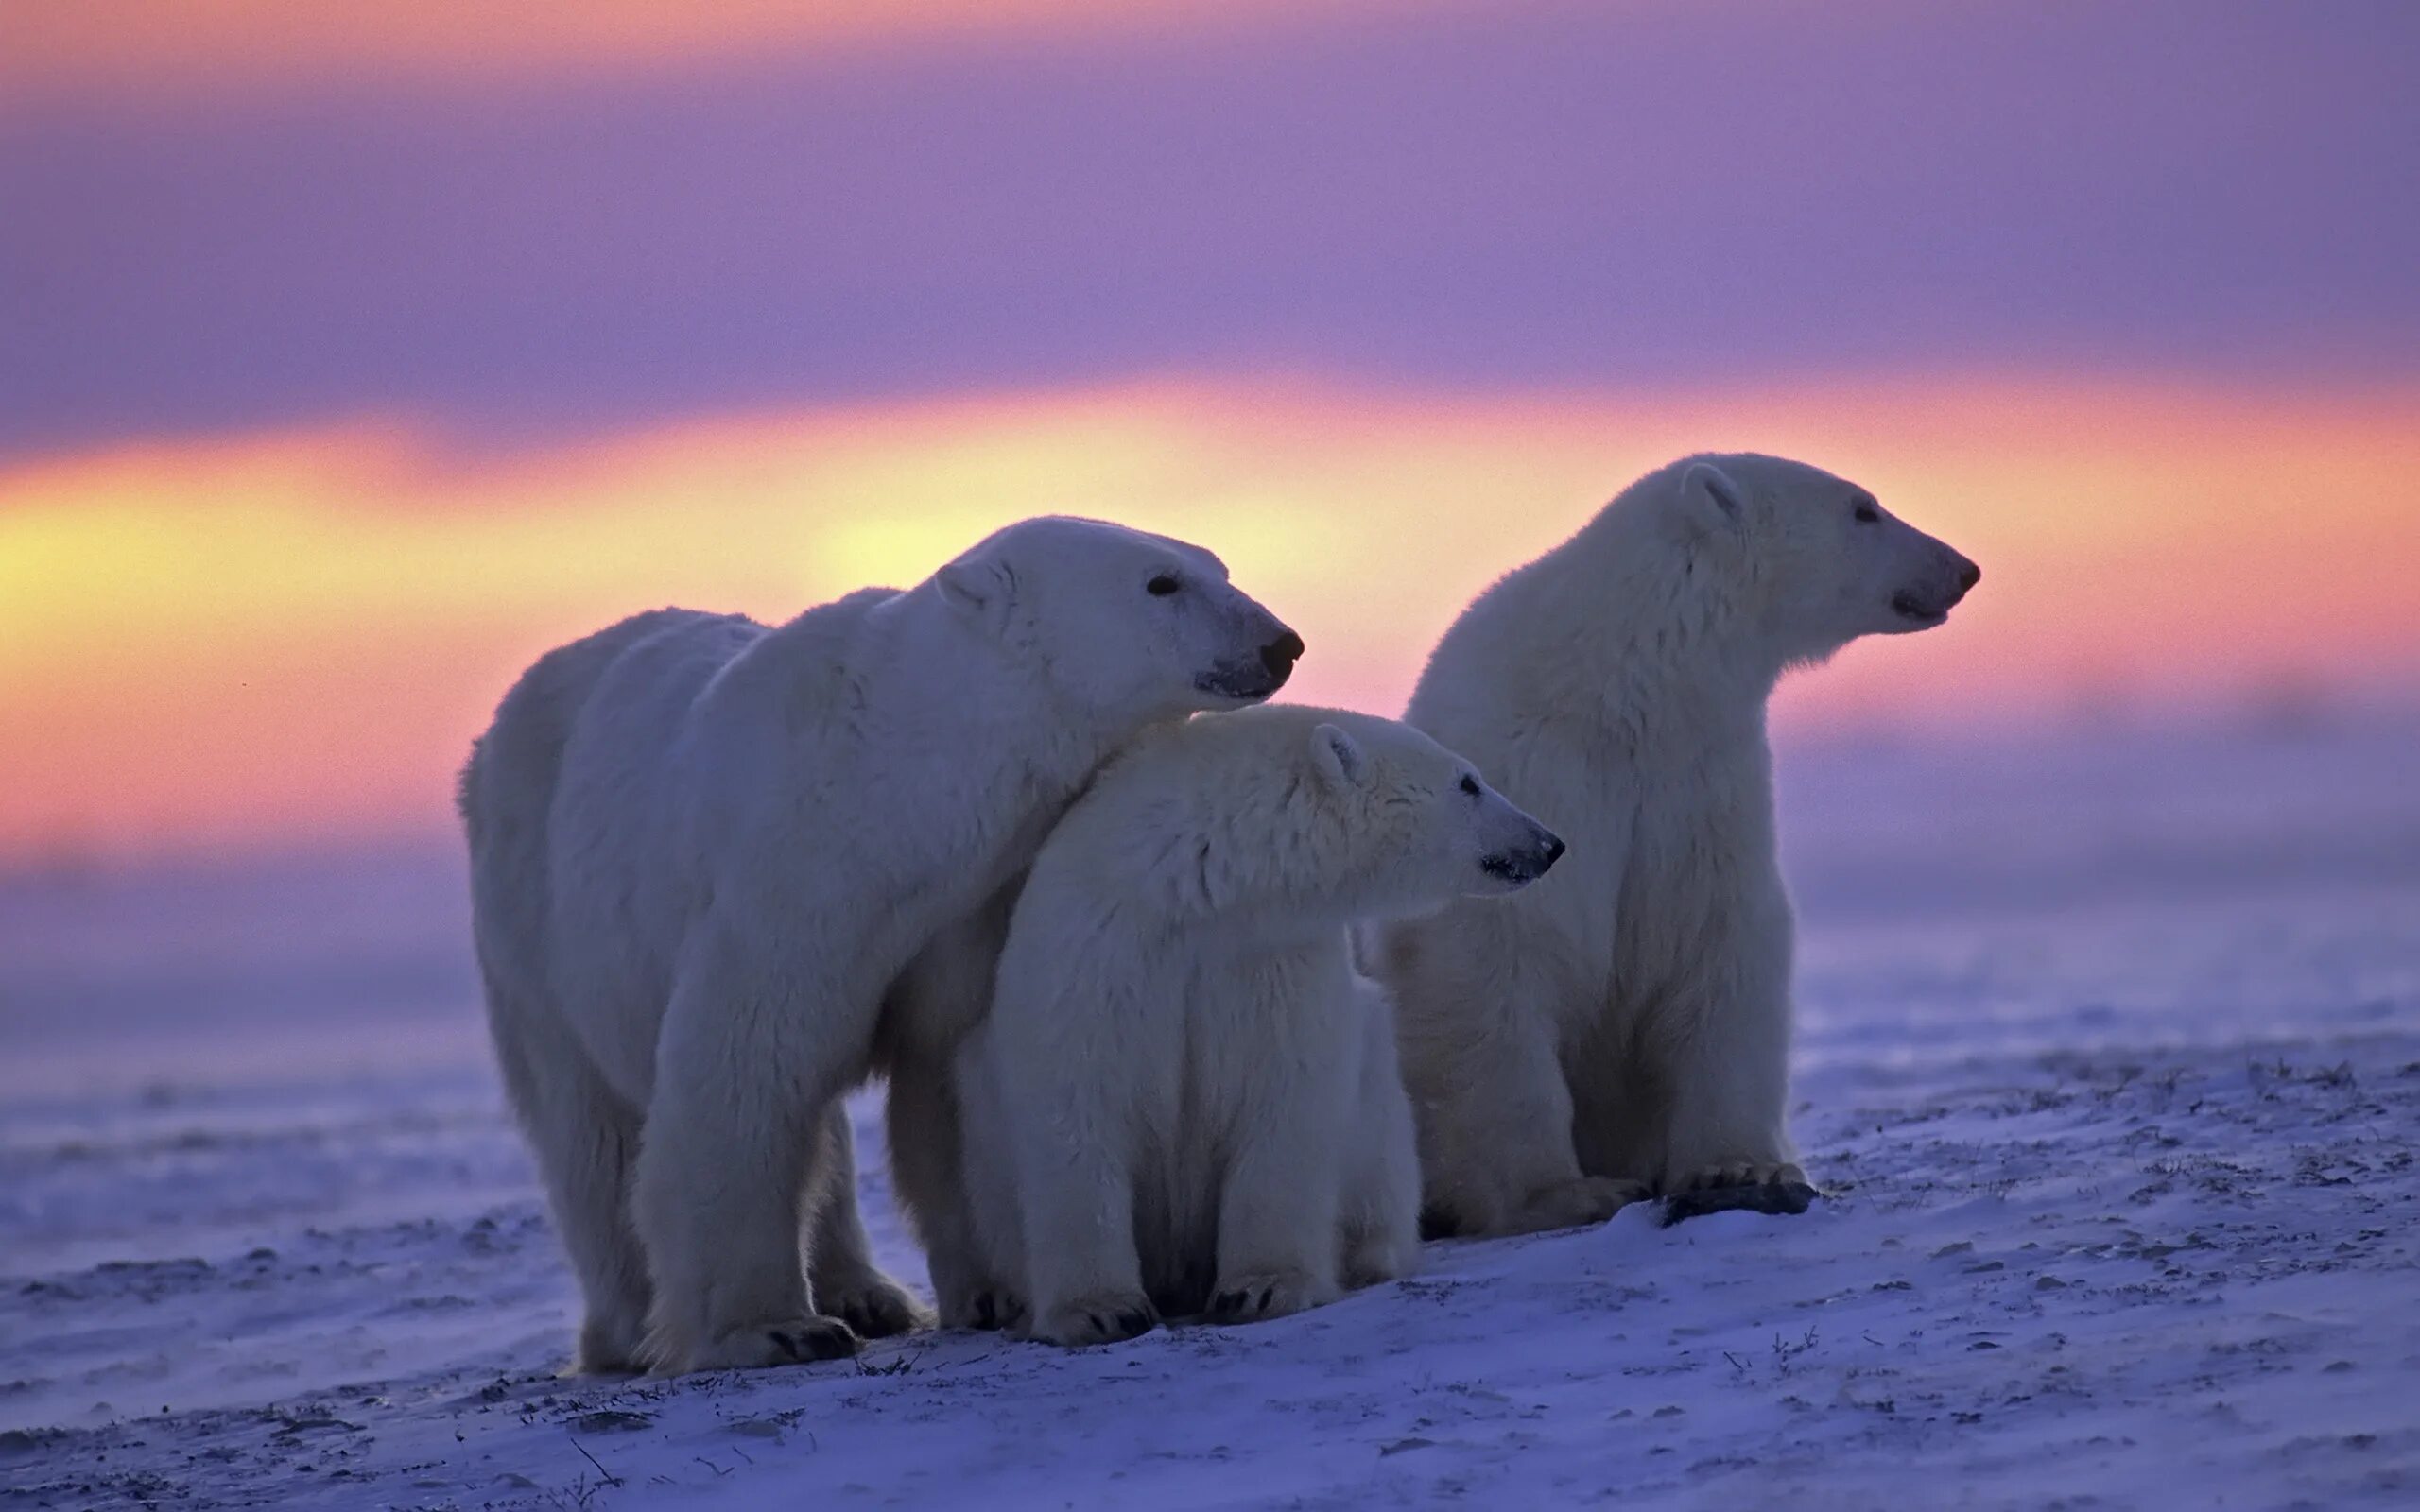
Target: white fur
pixel 1189 1091
pixel 1624 1027
pixel 714 863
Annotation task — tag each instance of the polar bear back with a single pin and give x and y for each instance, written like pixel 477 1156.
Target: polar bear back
pixel 634 830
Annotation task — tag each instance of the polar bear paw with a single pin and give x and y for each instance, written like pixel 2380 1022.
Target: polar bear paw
pixel 609 1345
pixel 763 1346
pixel 1375 1261
pixel 996 1308
pixel 1089 1320
pixel 1580 1204
pixel 985 1307
pixel 875 1307
pixel 1742 1173
pixel 1251 1298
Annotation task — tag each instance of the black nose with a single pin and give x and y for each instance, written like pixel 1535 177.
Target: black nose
pixel 1279 655
pixel 1968 576
pixel 1555 848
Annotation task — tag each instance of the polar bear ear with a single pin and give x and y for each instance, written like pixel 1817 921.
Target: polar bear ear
pixel 980 588
pixel 1713 499
pixel 1338 757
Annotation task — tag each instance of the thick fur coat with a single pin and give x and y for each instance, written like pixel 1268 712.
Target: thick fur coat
pixel 1623 1028
pixel 717 866
pixel 1185 1099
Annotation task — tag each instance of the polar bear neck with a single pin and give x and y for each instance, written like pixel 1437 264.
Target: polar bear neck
pixel 1637 629
pixel 1152 842
pixel 982 730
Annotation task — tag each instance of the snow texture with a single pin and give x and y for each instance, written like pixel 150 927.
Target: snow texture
pixel 2109 1055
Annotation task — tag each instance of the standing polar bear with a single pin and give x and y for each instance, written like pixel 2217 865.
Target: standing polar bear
pixel 1185 1098
pixel 705 854
pixel 1624 1028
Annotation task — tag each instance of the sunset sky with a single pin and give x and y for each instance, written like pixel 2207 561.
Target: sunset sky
pixel 351 355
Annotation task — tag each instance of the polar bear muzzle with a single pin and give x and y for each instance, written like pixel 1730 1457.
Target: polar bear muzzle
pixel 1523 865
pixel 1945 580
pixel 1257 675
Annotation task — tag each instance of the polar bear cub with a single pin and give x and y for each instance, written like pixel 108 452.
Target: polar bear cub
pixel 1195 1093
pixel 703 852
pixel 1624 1028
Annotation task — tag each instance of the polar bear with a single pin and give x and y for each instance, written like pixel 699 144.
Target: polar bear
pixel 704 854
pixel 1377 1203
pixel 1623 1029
pixel 1195 1093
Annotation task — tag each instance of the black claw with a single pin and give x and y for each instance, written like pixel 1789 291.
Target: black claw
pixel 880 1320
pixel 809 1346
pixel 1265 1293
pixel 787 1342
pixel 1783 1198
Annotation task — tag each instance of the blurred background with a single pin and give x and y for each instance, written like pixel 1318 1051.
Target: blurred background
pixel 351 355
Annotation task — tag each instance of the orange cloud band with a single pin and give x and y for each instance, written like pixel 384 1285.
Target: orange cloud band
pixel 73 48
pixel 279 637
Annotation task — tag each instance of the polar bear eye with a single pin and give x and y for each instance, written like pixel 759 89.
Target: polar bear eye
pixel 1470 784
pixel 1162 585
pixel 1867 514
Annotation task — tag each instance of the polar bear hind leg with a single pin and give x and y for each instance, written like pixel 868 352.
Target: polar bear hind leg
pixel 842 1273
pixel 586 1140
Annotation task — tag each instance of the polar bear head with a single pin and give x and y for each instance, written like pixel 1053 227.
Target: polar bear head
pixel 1427 828
pixel 1347 816
pixel 1803 561
pixel 1127 627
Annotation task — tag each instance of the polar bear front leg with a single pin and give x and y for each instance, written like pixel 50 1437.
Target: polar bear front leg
pixel 1493 1112
pixel 1278 1210
pixel 1073 1178
pixel 1728 1078
pixel 1086 1272
pixel 995 1285
pixel 1380 1203
pixel 934 1009
pixel 926 1134
pixel 843 1279
pixel 743 1086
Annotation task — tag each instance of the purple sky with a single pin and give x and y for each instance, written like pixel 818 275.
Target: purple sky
pixel 1575 194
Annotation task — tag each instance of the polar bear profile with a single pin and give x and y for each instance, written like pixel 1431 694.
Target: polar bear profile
pixel 1185 1099
pixel 705 853
pixel 1623 1028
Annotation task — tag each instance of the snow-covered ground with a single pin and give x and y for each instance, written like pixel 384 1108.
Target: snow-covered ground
pixel 2110 1054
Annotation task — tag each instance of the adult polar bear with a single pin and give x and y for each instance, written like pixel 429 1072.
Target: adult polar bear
pixel 1623 1027
pixel 704 851
pixel 1185 1099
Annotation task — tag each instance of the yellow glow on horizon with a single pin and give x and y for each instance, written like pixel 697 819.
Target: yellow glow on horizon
pixel 282 636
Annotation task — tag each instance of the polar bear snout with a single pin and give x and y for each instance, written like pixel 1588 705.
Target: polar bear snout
pixel 1256 674
pixel 1519 866
pixel 1280 654
pixel 1949 576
